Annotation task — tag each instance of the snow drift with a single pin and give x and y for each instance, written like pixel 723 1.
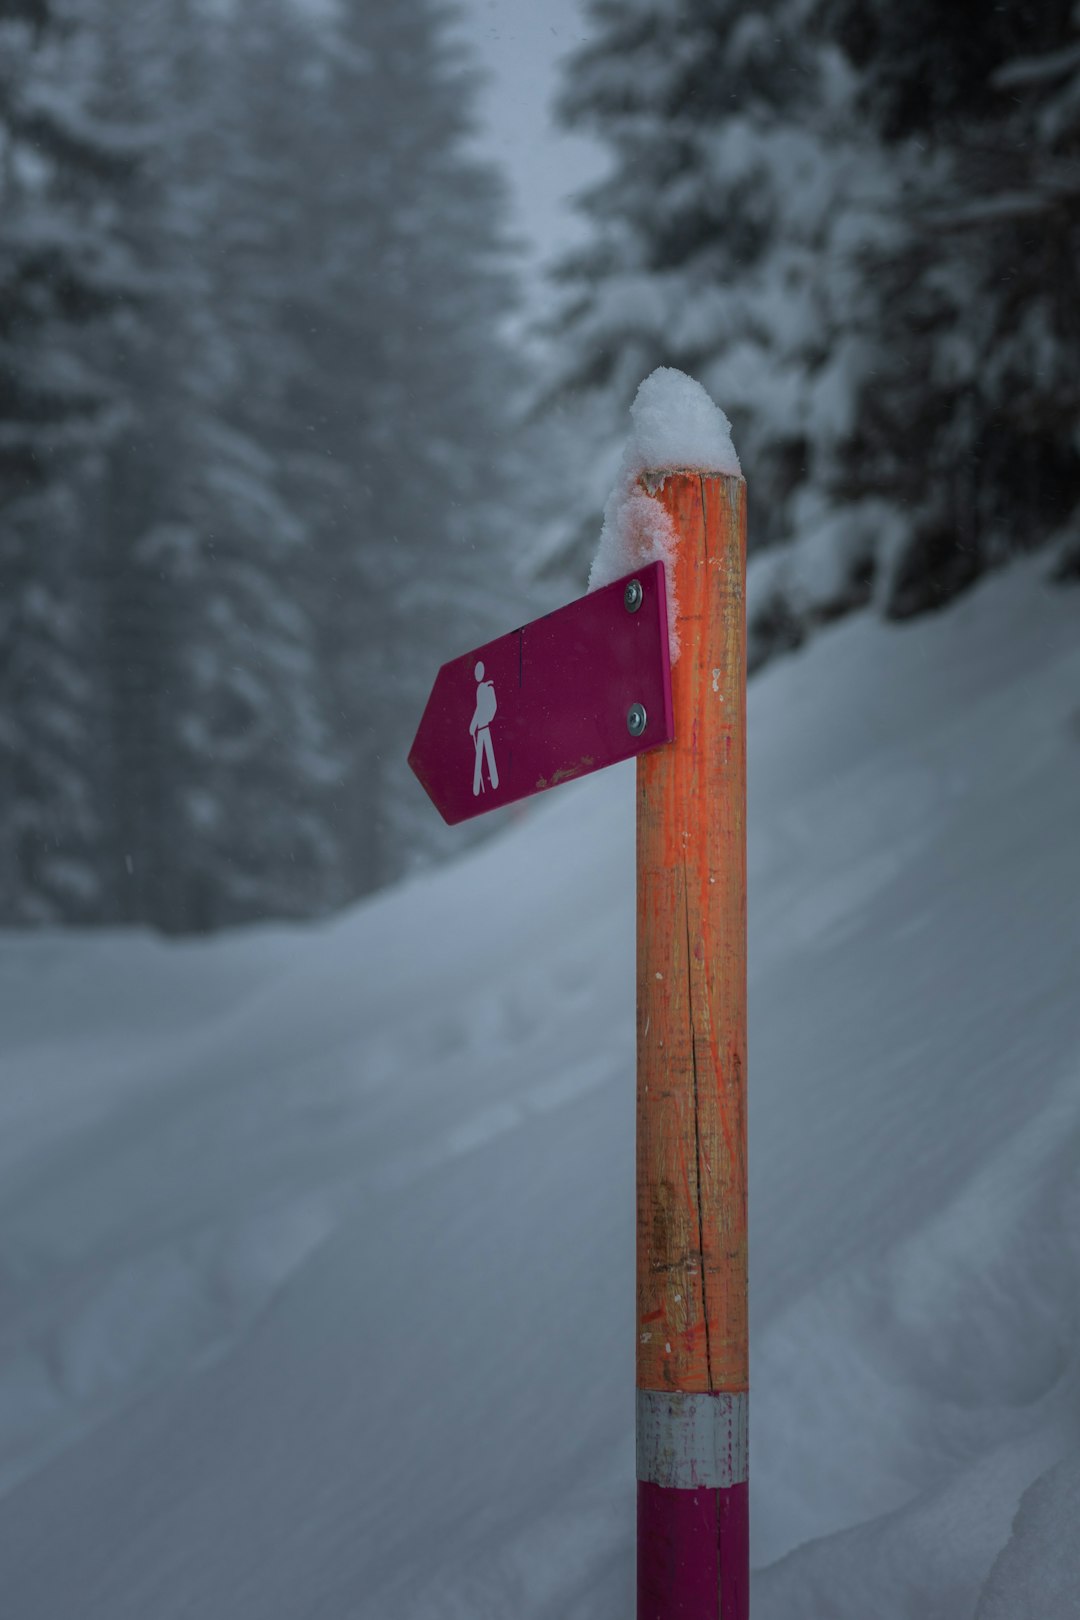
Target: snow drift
pixel 316 1245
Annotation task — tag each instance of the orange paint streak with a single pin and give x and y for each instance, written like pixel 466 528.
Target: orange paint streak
pixel 692 1251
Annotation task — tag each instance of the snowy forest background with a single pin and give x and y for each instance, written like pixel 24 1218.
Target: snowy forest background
pixel 278 433
pixel 317 1238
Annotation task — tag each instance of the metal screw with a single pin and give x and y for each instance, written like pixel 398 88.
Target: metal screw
pixel 636 718
pixel 632 596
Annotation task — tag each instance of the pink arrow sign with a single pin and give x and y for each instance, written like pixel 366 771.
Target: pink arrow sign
pixel 581 688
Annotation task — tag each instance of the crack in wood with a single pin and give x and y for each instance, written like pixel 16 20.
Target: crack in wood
pixel 697 1128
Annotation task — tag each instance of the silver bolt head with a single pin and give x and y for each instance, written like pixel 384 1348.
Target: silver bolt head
pixel 632 595
pixel 636 719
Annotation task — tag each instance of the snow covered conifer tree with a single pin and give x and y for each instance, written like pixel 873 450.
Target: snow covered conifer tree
pixel 967 423
pixel 408 395
pixel 719 243
pixel 292 444
pixel 64 271
pixel 221 751
pixel 855 223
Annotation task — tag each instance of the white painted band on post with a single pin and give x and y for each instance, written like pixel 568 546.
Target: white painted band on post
pixel 685 1441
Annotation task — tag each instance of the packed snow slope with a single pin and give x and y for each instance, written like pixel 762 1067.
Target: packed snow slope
pixel 316 1245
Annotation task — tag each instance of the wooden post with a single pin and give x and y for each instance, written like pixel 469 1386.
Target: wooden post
pixel 692 1361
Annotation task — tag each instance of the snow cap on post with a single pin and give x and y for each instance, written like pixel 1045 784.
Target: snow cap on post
pixel 676 428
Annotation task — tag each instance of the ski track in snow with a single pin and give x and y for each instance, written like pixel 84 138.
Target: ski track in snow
pixel 316 1245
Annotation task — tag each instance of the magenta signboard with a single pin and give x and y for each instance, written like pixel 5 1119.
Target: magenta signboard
pixel 581 688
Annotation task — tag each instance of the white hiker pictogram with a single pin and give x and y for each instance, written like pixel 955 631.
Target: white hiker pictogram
pixel 479 727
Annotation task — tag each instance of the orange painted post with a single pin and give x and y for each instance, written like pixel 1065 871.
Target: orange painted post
pixel 692 1351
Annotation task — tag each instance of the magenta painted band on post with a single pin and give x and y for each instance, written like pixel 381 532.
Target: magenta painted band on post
pixel 693 1553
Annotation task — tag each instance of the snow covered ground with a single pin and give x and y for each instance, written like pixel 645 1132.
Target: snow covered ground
pixel 316 1270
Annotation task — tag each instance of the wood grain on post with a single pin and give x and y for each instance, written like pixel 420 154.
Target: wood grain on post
pixel 691 974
